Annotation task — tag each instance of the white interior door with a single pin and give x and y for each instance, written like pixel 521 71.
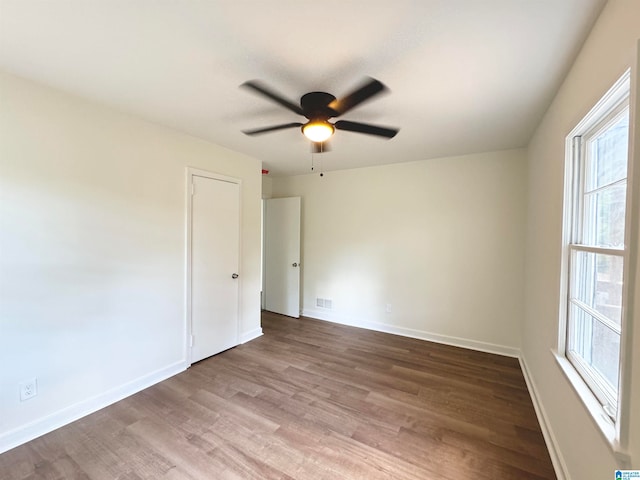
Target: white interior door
pixel 282 256
pixel 215 248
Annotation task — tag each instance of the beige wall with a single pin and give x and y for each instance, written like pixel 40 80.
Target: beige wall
pixel 92 253
pixel 440 240
pixel 607 53
pixel 267 186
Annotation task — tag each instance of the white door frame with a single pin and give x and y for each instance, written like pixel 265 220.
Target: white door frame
pixel 188 320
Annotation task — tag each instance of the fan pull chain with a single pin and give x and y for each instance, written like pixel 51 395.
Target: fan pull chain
pixel 313 161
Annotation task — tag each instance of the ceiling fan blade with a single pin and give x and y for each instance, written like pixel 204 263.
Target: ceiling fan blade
pixel 365 92
pixel 320 147
pixel 273 128
pixel 262 89
pixel 366 128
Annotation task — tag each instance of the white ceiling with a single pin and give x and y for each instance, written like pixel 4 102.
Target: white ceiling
pixel 465 75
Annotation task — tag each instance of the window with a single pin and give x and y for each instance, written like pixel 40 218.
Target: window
pixel 594 256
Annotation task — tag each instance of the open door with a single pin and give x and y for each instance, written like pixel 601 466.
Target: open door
pixel 282 256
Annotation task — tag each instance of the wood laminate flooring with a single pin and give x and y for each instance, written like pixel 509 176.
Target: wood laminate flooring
pixel 309 400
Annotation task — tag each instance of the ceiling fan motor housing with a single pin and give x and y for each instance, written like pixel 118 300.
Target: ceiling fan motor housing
pixel 315 105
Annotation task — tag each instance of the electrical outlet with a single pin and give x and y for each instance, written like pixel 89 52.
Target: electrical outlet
pixel 28 389
pixel 388 309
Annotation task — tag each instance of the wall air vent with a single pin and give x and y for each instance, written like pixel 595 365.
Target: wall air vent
pixel 323 303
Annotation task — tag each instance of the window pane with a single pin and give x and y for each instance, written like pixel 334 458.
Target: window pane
pixel 607 154
pixel 605 353
pixel 597 345
pixel 597 282
pixel 604 217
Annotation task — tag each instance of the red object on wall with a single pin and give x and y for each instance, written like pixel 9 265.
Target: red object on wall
pixel 265 172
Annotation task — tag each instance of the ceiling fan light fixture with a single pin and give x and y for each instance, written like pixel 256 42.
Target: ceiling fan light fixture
pixel 318 130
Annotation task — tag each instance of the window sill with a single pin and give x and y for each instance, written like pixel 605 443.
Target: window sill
pixel 605 425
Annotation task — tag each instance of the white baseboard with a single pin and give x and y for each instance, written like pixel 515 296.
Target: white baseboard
pixel 39 427
pixel 419 334
pixel 250 335
pixel 558 462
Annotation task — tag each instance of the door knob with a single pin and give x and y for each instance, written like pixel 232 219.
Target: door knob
pixel 234 276
pixel 294 265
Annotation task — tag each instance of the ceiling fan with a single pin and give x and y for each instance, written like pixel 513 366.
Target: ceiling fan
pixel 319 107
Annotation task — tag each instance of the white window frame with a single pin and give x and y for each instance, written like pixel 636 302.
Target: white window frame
pixel 611 423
